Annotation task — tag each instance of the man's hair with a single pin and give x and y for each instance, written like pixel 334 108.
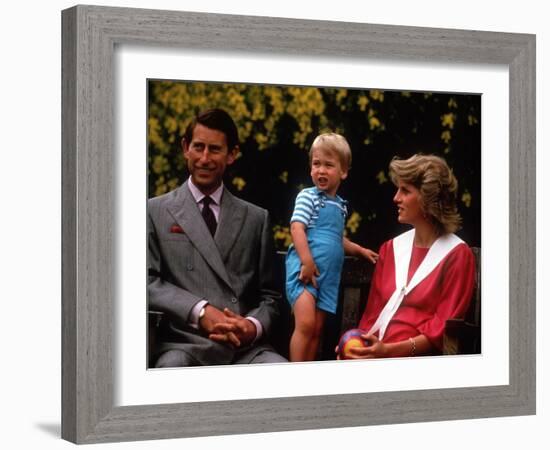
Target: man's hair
pixel 215 119
pixel 335 143
pixel 438 188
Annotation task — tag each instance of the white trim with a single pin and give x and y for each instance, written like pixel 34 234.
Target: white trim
pixel 402 251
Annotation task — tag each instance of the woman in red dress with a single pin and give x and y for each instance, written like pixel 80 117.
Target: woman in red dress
pixel 424 276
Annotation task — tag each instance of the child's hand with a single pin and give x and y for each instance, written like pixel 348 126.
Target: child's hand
pixel 308 272
pixel 369 254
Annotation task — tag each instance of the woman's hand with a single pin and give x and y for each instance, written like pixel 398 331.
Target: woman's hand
pixel 378 349
pixel 375 349
pixel 308 272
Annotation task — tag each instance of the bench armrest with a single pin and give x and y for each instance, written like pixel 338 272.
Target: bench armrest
pixel 461 337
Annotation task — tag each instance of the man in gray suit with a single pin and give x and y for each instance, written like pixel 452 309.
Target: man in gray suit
pixel 209 259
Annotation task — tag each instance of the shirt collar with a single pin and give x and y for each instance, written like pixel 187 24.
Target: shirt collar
pixel 321 193
pixel 216 196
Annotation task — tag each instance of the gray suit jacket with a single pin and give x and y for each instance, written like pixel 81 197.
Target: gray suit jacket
pixel 231 270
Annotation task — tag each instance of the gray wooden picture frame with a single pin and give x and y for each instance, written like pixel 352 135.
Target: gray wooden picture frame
pixel 90 34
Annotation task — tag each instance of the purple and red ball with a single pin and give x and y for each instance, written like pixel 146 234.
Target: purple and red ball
pixel 351 338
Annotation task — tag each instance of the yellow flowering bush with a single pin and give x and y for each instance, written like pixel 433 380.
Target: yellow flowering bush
pixel 277 124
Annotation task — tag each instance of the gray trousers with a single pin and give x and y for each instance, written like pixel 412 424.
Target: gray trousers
pixel 179 358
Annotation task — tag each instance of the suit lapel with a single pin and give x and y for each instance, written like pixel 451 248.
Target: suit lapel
pixel 187 215
pixel 232 215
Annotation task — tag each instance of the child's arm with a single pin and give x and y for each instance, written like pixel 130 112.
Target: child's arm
pixel 353 249
pixel 309 270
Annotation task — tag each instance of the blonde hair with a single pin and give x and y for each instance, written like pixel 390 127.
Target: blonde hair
pixel 438 188
pixel 336 143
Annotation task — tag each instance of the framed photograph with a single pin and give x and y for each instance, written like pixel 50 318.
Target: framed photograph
pixel 99 240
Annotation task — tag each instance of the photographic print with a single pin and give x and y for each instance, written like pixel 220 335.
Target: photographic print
pixel 283 137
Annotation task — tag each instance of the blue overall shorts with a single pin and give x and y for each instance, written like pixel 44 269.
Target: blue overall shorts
pixel 326 247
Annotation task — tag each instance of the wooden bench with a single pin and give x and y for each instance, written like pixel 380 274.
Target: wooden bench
pixel 462 336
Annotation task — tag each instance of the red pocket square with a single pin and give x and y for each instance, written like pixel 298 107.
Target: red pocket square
pixel 176 229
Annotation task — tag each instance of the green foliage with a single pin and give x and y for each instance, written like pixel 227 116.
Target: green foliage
pixel 278 123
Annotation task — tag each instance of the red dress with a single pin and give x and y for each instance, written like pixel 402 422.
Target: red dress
pixel 445 293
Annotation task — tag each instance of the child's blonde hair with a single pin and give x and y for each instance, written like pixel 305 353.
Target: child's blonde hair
pixel 336 143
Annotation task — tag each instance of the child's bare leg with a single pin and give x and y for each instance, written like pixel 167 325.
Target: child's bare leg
pixel 304 327
pixel 318 330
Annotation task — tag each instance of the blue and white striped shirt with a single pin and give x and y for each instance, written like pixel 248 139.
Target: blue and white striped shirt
pixel 307 205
